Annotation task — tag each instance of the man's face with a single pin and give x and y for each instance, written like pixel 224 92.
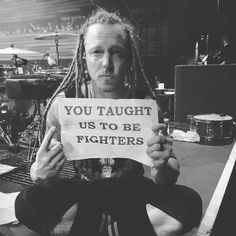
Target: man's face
pixel 106 56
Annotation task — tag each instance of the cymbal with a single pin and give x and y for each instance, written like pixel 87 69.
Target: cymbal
pixel 12 50
pixel 53 36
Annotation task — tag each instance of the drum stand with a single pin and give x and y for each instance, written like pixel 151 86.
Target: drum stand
pixel 31 87
pixel 5 128
pixel 4 136
pixel 57 50
pixel 33 128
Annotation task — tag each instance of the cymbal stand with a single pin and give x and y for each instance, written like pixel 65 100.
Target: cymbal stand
pixel 5 127
pixel 57 50
pixel 5 137
pixel 32 127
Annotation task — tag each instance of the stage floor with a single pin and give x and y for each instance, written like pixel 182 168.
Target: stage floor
pixel 201 169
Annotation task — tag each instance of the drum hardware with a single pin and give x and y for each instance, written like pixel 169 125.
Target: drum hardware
pixel 4 123
pixel 26 138
pixel 7 139
pixel 56 36
pixel 14 147
pixel 18 61
pixel 36 87
pixel 32 151
pixel 53 73
pixel 32 144
pixel 5 71
pixel 28 129
pixel 21 120
pixel 21 61
pixel 5 129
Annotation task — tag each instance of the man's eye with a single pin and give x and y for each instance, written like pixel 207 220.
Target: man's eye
pixel 117 53
pixel 96 52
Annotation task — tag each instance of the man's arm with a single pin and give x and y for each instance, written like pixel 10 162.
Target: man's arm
pixel 50 157
pixel 166 173
pixel 50 160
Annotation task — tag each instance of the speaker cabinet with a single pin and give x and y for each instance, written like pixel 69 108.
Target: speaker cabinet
pixel 202 89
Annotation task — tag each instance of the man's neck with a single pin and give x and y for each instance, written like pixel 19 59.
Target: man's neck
pixel 122 92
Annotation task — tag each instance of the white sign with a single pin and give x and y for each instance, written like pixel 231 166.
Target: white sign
pixel 107 128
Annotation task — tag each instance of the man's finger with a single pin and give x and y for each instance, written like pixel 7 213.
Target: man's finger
pixel 53 143
pixel 55 151
pixel 154 147
pixel 157 127
pixel 48 137
pixel 157 155
pixel 156 139
pixel 160 129
pixel 60 157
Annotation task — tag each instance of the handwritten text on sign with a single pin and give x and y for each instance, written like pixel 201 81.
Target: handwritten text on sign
pixel 107 128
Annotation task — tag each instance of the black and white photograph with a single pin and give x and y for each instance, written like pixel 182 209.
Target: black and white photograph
pixel 117 117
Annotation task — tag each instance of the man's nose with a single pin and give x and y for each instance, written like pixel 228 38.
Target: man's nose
pixel 107 62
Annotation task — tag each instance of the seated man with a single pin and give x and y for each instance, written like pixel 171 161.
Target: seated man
pixel 107 65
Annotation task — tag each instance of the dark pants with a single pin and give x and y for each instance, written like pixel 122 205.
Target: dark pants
pixel 125 200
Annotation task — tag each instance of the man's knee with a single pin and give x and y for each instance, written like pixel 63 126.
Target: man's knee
pixel 170 229
pixel 31 216
pixel 193 207
pixel 163 224
pixel 23 209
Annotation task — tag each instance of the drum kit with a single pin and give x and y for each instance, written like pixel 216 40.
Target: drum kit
pixel 22 88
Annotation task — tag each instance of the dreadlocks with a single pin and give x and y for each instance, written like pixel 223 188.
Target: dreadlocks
pixel 77 74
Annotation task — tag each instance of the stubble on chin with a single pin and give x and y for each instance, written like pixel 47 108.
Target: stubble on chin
pixel 106 85
pixel 107 88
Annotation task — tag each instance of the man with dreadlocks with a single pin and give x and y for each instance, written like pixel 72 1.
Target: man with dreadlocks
pixel 107 65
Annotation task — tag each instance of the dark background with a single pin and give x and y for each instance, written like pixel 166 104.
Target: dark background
pixel 168 29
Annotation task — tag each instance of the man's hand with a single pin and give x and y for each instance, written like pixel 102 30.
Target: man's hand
pixel 159 147
pixel 165 170
pixel 50 160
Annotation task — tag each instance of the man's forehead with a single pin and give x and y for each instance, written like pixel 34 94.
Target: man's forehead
pixel 106 31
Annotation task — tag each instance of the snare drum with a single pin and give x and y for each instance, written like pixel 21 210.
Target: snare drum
pixel 214 128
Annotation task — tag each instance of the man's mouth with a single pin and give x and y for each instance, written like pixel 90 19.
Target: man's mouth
pixel 107 76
